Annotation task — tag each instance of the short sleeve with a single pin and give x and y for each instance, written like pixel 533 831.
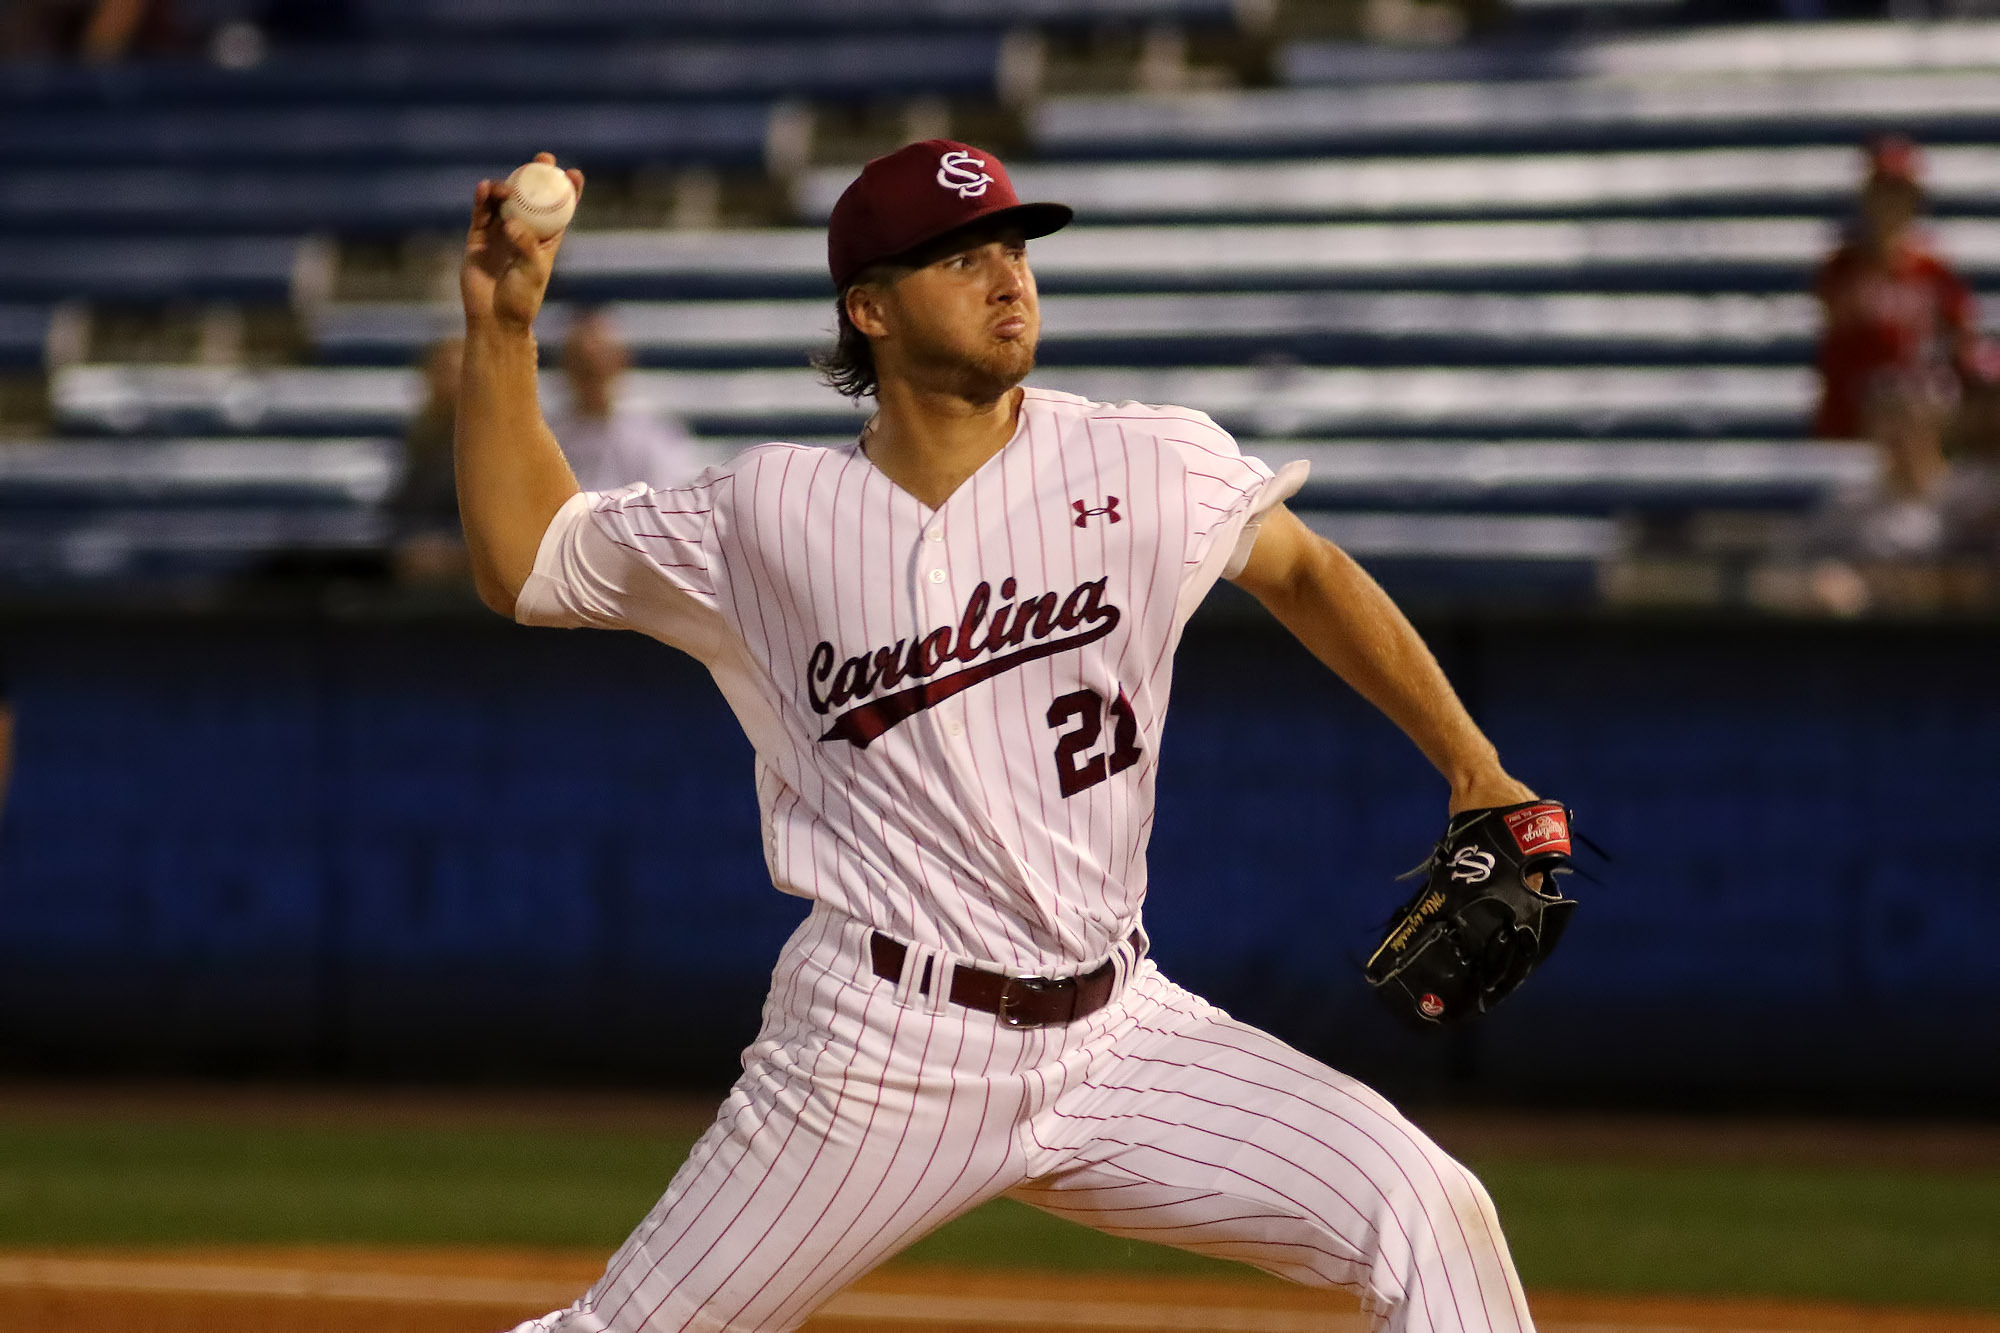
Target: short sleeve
pixel 1228 495
pixel 635 558
pixel 1278 488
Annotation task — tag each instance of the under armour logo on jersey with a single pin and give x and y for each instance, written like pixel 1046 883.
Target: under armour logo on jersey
pixel 1084 513
pixel 1471 866
pixel 961 171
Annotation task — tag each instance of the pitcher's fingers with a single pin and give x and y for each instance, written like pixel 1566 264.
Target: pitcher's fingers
pixel 486 203
pixel 480 214
pixel 489 234
pixel 524 241
pixel 549 158
pixel 575 181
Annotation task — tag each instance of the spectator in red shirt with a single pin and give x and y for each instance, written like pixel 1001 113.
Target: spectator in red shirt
pixel 1900 327
pixel 1901 362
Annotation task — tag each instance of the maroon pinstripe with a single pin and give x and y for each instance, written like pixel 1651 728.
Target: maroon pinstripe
pixel 895 668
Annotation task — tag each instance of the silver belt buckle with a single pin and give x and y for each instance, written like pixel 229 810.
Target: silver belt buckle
pixel 1024 986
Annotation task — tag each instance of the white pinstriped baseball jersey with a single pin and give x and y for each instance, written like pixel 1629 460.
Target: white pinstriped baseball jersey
pixel 956 712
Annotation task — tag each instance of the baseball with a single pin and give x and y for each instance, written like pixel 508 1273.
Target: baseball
pixel 542 199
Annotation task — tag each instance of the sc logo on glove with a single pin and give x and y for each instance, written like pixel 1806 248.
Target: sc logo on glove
pixel 1471 866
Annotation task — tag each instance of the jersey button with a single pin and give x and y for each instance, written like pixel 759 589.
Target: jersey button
pixel 954 727
pixel 937 576
pixel 937 534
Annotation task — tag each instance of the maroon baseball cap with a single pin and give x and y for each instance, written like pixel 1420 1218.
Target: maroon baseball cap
pixel 921 192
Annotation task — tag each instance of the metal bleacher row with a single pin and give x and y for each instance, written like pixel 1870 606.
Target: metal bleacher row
pixel 1328 327
pixel 1583 263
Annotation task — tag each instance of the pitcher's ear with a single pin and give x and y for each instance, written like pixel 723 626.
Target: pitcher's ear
pixel 864 306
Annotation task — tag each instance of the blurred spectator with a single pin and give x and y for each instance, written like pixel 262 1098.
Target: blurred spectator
pixel 424 507
pixel 97 30
pixel 236 33
pixel 610 443
pixel 1886 545
pixel 1971 509
pixel 1901 365
pixel 43 27
pixel 1902 516
pixel 1898 335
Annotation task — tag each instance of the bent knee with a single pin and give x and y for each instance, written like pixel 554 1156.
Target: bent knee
pixel 1467 1191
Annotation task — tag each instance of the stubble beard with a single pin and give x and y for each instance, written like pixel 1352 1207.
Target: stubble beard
pixel 984 376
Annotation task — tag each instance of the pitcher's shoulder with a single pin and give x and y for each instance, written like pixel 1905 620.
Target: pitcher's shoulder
pixel 776 463
pixel 1166 423
pixel 752 457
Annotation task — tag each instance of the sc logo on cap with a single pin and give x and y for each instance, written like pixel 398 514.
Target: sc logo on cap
pixel 959 170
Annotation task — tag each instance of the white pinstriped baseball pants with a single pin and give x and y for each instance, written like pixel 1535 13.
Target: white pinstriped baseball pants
pixel 868 1114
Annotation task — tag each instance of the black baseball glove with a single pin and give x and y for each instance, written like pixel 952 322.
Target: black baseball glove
pixel 1489 911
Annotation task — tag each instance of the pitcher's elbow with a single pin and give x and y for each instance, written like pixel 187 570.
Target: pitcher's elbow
pixel 495 593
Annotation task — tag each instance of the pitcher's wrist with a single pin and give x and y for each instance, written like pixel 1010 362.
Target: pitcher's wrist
pixel 498 332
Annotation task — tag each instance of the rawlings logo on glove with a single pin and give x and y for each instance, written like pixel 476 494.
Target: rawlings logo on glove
pixel 1540 827
pixel 1488 913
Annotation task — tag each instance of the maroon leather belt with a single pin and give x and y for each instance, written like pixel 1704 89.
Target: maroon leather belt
pixel 1020 1002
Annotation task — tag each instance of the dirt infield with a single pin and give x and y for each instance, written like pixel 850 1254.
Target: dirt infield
pixel 341 1290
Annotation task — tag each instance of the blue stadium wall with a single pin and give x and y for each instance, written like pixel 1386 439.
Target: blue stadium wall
pixel 450 848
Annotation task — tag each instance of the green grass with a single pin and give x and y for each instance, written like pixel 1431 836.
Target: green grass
pixel 106 1182
pixel 1858 1234
pixel 1808 1231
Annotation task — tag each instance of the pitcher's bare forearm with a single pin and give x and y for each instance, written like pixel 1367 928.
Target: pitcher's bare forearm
pixel 512 477
pixel 1344 619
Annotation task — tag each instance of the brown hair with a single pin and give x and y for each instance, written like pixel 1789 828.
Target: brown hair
pixel 848 366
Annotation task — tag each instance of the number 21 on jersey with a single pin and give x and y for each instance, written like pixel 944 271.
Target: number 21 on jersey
pixel 1085 712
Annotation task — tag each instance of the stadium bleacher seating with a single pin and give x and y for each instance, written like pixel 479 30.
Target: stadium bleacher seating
pixel 623 17
pixel 24 334
pixel 1753 108
pixel 1350 328
pixel 103 509
pixel 339 472
pixel 1787 84
pixel 1818 48
pixel 1570 476
pixel 841 66
pixel 1600 244
pixel 163 201
pixel 1671 182
pixel 126 544
pixel 155 268
pixel 1770 254
pixel 332 134
pixel 1265 401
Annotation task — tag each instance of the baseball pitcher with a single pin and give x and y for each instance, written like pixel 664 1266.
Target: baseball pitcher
pixel 951 644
